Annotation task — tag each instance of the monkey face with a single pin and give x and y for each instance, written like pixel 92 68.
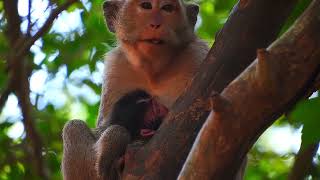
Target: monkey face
pixel 153 27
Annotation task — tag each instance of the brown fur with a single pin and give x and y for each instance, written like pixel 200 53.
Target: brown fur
pixel 161 70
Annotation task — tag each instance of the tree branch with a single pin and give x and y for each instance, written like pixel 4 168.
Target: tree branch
pixel 25 45
pixel 303 164
pixel 272 84
pixel 4 97
pixel 233 50
pixel 29 19
pixel 18 72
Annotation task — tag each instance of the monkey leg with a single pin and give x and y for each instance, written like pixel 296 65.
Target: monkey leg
pixel 78 160
pixel 110 148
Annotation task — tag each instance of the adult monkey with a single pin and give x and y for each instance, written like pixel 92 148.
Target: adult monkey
pixel 158 52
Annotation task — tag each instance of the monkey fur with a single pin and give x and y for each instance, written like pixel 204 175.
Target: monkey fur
pixel 141 116
pixel 157 52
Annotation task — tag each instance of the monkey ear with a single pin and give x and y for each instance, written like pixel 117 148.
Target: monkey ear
pixel 110 11
pixel 192 13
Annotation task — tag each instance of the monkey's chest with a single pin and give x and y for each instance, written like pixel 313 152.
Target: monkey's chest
pixel 165 90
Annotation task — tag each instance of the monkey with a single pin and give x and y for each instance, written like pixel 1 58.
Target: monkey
pixel 158 52
pixel 128 112
pixel 135 115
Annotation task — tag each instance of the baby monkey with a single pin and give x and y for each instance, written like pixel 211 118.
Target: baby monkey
pixel 137 116
pixel 139 113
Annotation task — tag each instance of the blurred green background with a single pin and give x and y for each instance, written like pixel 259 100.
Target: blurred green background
pixel 66 66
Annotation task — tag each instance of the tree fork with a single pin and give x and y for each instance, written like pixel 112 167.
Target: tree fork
pixel 296 55
pixel 233 51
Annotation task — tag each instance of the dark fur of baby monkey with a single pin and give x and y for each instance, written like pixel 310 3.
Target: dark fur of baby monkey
pixel 130 110
pixel 125 120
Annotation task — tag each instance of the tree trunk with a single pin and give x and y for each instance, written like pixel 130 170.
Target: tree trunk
pixel 272 84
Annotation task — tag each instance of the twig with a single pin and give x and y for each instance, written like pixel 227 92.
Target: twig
pixel 4 96
pixel 25 46
pixel 29 19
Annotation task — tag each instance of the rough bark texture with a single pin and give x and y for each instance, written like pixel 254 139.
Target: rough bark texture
pixel 272 84
pixel 234 49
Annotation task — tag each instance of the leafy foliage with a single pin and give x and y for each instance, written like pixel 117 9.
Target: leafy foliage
pixel 66 66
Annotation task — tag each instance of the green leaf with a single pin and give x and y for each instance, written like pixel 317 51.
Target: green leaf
pixel 307 113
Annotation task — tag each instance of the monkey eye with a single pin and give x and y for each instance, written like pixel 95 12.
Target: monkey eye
pixel 146 5
pixel 168 8
pixel 140 101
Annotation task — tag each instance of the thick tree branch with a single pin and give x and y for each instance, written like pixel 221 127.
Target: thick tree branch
pixel 17 73
pixel 29 19
pixel 270 86
pixel 304 164
pixel 251 25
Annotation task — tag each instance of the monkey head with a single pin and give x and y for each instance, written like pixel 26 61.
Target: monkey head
pixel 151 28
pixel 139 113
pixel 129 111
pixel 135 116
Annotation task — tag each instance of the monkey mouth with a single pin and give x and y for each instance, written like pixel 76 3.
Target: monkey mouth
pixel 154 41
pixel 153 118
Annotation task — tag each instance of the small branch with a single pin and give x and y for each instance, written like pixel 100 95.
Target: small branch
pixel 25 46
pixel 19 73
pixel 29 19
pixel 13 28
pixel 23 92
pixel 4 97
pixel 303 164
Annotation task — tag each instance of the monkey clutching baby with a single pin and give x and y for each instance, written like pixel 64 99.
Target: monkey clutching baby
pixel 141 116
pixel 158 53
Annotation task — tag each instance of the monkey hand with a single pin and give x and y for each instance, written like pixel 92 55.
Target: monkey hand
pixel 78 146
pixel 85 157
pixel 110 149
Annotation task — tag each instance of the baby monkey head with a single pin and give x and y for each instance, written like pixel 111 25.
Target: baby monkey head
pixel 139 113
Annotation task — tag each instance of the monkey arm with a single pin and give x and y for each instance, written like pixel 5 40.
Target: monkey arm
pixel 86 158
pixel 110 147
pixel 78 147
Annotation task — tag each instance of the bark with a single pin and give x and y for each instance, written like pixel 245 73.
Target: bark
pixel 279 77
pixel 18 70
pixel 251 25
pixel 304 164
